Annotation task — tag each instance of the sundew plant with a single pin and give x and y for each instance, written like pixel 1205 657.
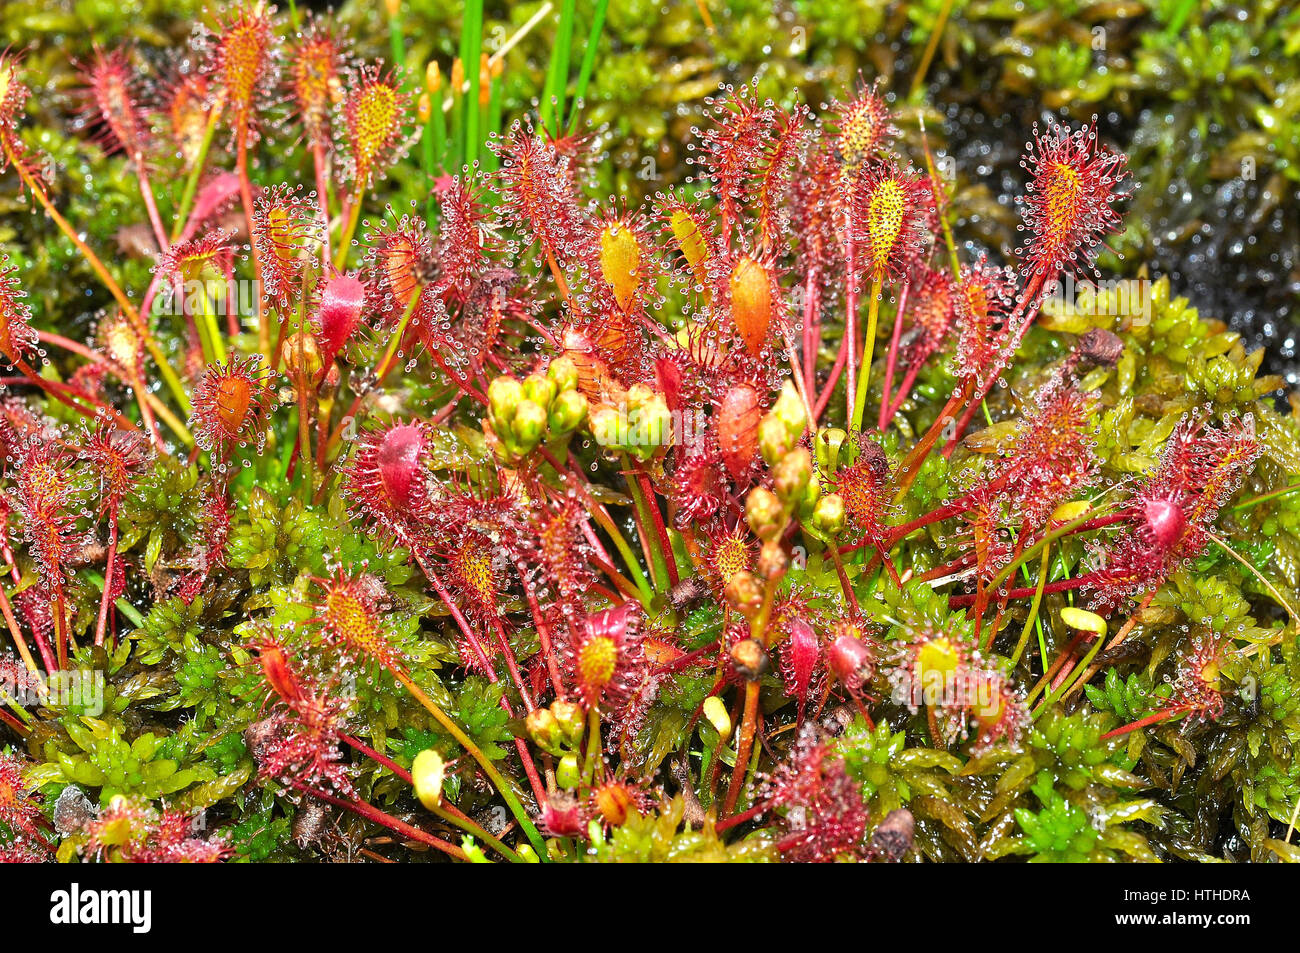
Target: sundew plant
pixel 422 504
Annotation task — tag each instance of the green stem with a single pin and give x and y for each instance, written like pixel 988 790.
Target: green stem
pixel 121 604
pixel 196 172
pixel 1265 497
pixel 345 240
pixel 214 348
pixel 868 353
pixel 557 76
pixel 471 52
pixel 396 41
pixel 390 354
pixel 1032 619
pixel 589 54
pixel 503 787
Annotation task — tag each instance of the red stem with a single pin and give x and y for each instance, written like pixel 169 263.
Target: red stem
pixel 660 530
pixel 811 331
pixel 385 820
pixel 740 818
pixel 106 598
pixel 1028 305
pixel 525 756
pixel 850 340
pixel 1026 592
pixel 1150 719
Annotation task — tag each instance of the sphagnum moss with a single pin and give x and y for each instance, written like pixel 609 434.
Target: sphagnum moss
pixel 582 506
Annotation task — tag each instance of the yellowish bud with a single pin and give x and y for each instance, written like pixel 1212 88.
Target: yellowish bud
pixel 1083 620
pixel 716 711
pixel 427 773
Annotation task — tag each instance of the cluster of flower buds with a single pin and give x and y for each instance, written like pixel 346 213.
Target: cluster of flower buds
pixel 794 491
pixel 559 730
pixel 540 408
pixel 639 426
pixel 768 511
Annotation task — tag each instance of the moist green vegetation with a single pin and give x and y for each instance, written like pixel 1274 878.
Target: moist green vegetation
pixel 758 517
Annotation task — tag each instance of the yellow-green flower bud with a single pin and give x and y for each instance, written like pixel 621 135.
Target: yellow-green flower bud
pixel 571 720
pixel 789 410
pixel 529 424
pixel 568 411
pixel 828 516
pixel 564 373
pixel 773 440
pixel 567 774
pixel 637 395
pixel 607 426
pixel 652 426
pixel 545 731
pixel 540 390
pixel 791 474
pixel 764 513
pixel 504 395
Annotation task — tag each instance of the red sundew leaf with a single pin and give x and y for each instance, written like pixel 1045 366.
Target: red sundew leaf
pixel 816 216
pixel 539 197
pixel 374 115
pixel 753 311
pixel 799 657
pixel 111 104
pixel 17 336
pixel 284 227
pixel 243 62
pixel 738 418
pixel 1068 205
pixel 231 404
pixel 886 209
pixel 315 80
pixel 339 314
pixel 863 126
